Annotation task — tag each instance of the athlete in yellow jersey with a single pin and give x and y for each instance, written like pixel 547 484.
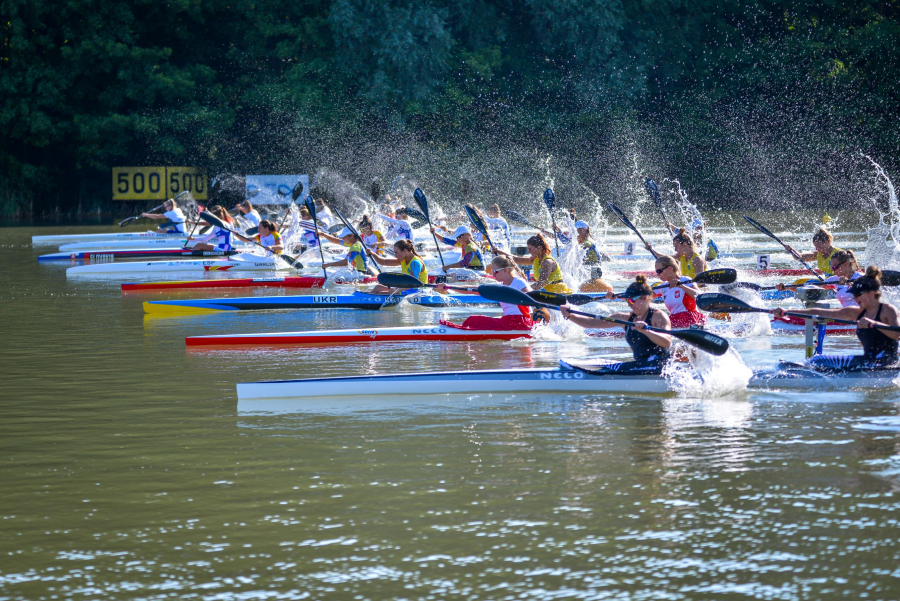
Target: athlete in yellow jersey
pixel 409 261
pixel 471 257
pixel 546 272
pixel 356 255
pixel 823 242
pixel 689 261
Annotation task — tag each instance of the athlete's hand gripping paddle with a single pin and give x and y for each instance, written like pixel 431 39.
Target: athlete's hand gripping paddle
pixel 128 220
pixel 701 339
pixel 210 218
pixel 401 280
pixel 422 201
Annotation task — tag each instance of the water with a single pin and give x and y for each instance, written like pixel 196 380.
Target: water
pixel 128 472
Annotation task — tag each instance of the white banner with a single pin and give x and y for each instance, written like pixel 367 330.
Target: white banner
pixel 274 189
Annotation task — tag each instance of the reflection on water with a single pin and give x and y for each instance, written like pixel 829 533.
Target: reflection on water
pixel 130 471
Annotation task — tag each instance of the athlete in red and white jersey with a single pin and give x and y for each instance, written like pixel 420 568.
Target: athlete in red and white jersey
pixel 678 296
pixel 515 317
pixel 846 270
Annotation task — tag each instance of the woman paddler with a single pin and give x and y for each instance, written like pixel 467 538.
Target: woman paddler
pixel 515 317
pixel 545 270
pixel 356 255
pixel 846 271
pixel 879 346
pixel 470 257
pixel 221 236
pixel 823 242
pixel 650 349
pixel 173 214
pixel 689 261
pixel 678 296
pixel 407 258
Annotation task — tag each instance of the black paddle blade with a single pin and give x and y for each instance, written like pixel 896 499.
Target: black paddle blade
pixel 653 191
pixel 515 216
pixel 375 190
pixel 763 229
pixel 422 202
pixel 725 275
pixel 477 221
pixel 618 212
pixel 252 231
pixel 310 205
pixel 890 278
pixel 705 341
pixel 716 302
pixel 398 280
pixel 415 213
pixel 212 219
pixel 334 229
pixel 549 298
pixel 128 220
pixel 746 285
pixel 550 200
pixel 505 294
pixel 297 191
pixel 581 299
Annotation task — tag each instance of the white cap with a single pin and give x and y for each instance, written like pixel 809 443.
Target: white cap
pixel 346 232
pixel 696 224
pixel 460 231
pixel 581 225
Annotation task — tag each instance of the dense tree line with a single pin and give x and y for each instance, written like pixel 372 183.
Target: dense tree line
pixel 250 86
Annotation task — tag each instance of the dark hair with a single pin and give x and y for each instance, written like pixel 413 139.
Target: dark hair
pixel 870 281
pixel 268 225
pixel 842 256
pixel 406 245
pixel 538 241
pixel 823 235
pixel 638 288
pixel 365 222
pixel 682 237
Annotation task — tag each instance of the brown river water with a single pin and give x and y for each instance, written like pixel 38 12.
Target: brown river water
pixel 127 471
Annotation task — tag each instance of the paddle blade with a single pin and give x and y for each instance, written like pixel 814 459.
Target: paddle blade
pixel 716 302
pixel 516 216
pixel 505 294
pixel 419 196
pixel 310 205
pixel 375 190
pixel 212 219
pixel 621 216
pixel 415 213
pixel 705 341
pixel 581 299
pixel 762 228
pixel 890 278
pixel 128 220
pixel 717 276
pixel 653 191
pixel 549 298
pixel 398 280
pixel 297 191
pixel 550 200
pixel 334 229
pixel 252 231
pixel 477 221
pixel 746 285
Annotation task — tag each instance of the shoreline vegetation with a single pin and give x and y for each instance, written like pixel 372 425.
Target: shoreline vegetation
pixel 754 104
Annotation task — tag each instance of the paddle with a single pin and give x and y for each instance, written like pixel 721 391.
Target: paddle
pixel 415 213
pixel 705 341
pixel 210 218
pixel 310 205
pixel 358 237
pixel 723 275
pixel 550 201
pixel 630 226
pixel 653 190
pixel 889 277
pixel 128 220
pixel 716 302
pixel 423 204
pixel 793 253
pixel 401 280
pixel 375 190
pixel 479 224
pixel 518 217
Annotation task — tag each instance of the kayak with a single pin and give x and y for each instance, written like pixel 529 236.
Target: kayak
pixel 276 282
pixel 435 333
pixel 240 262
pixel 833 329
pixel 125 244
pixel 105 256
pixel 134 236
pixel 563 379
pixel 763 273
pixel 357 300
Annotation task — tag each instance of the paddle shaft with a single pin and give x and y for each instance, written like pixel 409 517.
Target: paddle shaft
pixel 618 212
pixel 518 217
pixel 311 208
pixel 654 194
pixel 361 242
pixel 476 220
pixel 209 217
pixel 793 253
pixel 423 204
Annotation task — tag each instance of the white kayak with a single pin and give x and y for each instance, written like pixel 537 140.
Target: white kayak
pixel 563 379
pixel 132 236
pixel 242 262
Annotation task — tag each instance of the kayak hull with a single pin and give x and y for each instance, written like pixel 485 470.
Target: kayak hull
pixel 236 263
pixel 276 282
pixel 802 378
pixel 58 238
pixel 105 256
pixel 560 379
pixel 437 333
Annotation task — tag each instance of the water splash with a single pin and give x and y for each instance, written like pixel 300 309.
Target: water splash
pixel 883 240
pixel 715 376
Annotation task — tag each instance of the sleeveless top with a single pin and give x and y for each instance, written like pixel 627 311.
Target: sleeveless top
pixel 554 282
pixel 592 255
pixel 841 290
pixel 356 257
pixel 642 347
pixel 415 268
pixel 877 346
pixel 677 300
pixel 825 262
pixel 687 266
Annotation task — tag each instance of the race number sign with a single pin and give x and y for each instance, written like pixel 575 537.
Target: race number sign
pixel 763 262
pixel 157 183
pixel 275 189
pixel 629 248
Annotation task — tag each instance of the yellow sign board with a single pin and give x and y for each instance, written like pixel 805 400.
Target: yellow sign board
pixel 157 183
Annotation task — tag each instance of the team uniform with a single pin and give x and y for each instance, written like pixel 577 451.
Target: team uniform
pixel 222 238
pixel 176 216
pixel 649 357
pixel 416 268
pixel 712 251
pixel 356 257
pixel 374 240
pixel 470 256
pixel 682 306
pixel 252 218
pixel 824 262
pixel 555 282
pixel 499 225
pixel 398 229
pixel 687 265
pixel 270 240
pixel 515 317
pixel 593 256
pixel 879 350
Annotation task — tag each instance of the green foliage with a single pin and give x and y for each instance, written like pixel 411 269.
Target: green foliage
pixel 88 84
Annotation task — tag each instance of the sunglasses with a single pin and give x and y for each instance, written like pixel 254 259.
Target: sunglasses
pixel 659 271
pixel 833 267
pixel 496 271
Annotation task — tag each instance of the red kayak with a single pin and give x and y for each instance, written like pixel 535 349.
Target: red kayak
pixel 283 282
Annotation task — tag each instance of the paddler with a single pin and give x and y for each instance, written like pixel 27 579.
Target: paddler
pixel 698 230
pixel 650 349
pixel 823 242
pixel 407 258
pixel 515 317
pixel 689 261
pixel 221 236
pixel 371 237
pixel 583 235
pixel 879 346
pixel 356 255
pixel 398 226
pixel 249 213
pixel 268 236
pixel 173 214
pixel 846 270
pixel 470 254
pixel 678 296
pixel 545 270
